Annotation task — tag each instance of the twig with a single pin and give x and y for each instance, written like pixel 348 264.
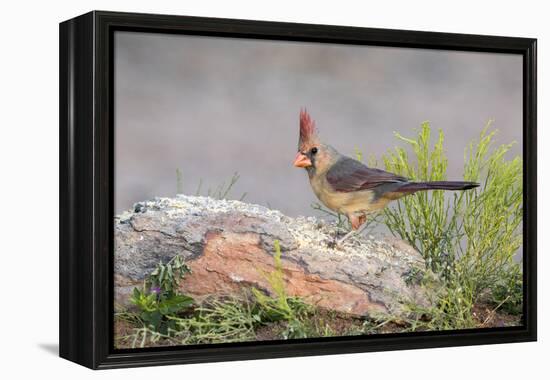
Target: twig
pixel 492 312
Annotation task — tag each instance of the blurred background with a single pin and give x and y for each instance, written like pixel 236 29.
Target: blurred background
pixel 193 110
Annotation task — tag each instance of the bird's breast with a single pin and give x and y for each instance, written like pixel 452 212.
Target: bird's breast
pixel 345 202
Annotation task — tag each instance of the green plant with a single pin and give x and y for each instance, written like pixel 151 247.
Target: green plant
pixel 179 181
pixel 222 191
pixel 156 309
pixel 508 293
pixel 159 300
pixel 291 310
pixel 492 217
pixel 167 276
pixel 217 321
pixel 470 237
pixel 424 218
pixel 358 155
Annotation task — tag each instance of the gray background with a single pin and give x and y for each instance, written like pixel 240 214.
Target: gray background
pixel 212 106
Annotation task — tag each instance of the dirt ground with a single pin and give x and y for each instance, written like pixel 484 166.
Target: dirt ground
pixel 335 324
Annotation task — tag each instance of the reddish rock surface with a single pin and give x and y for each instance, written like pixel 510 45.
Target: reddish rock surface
pixel 229 248
pixel 231 262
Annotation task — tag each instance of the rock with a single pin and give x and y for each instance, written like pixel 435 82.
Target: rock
pixel 229 245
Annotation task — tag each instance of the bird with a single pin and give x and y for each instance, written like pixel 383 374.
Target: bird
pixel 349 187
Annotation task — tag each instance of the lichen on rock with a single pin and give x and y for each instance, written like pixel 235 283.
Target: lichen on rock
pixel 229 244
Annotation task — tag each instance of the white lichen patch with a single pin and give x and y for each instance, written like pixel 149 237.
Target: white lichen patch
pixel 309 233
pixel 236 278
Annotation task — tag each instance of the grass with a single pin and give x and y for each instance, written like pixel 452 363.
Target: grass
pixel 222 191
pixel 179 181
pixel 281 308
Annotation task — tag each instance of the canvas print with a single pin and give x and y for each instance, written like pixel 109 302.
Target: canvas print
pixel 277 190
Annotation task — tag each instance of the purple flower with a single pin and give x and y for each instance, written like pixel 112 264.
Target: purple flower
pixel 156 290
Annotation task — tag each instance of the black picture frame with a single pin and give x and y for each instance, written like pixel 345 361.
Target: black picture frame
pixel 86 187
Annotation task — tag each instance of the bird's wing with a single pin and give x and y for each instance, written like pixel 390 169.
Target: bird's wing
pixel 348 175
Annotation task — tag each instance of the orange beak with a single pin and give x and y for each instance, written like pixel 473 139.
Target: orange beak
pixel 301 161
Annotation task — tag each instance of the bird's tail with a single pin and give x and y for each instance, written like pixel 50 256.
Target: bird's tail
pixel 437 185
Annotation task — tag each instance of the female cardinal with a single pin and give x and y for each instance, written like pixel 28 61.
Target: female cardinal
pixel 347 186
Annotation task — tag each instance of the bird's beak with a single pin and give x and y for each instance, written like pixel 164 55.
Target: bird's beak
pixel 301 161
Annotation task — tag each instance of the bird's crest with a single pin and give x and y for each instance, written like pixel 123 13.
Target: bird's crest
pixel 308 132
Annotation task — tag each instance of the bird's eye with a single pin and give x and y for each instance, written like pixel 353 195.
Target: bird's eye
pixel 313 150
